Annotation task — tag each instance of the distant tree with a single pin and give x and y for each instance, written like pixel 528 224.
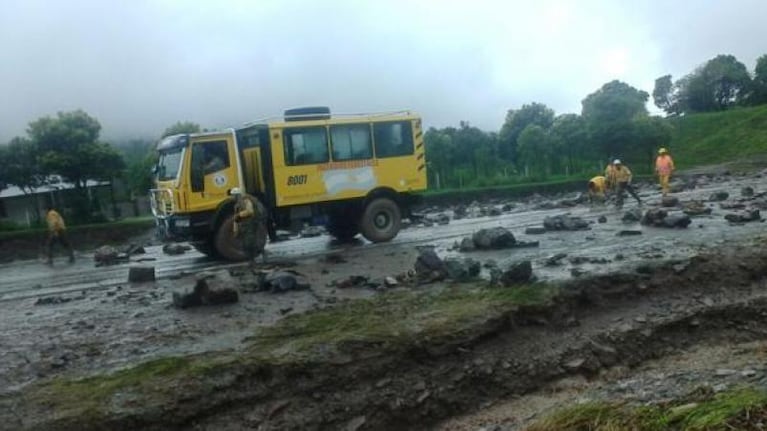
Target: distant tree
pixel 652 133
pixel 535 149
pixel 571 141
pixel 20 165
pixel 719 84
pixel 140 157
pixel 609 114
pixel 758 94
pixel 663 94
pixel 181 127
pixel 68 146
pixel 516 121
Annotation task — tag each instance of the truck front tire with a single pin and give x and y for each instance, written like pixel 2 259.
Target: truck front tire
pixel 229 247
pixel 381 220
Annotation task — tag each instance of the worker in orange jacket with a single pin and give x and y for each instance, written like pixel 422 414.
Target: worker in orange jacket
pixel 664 166
pixel 57 233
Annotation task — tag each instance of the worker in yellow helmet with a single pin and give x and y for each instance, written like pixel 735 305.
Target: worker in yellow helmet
pixel 664 166
pixel 623 178
pixel 597 189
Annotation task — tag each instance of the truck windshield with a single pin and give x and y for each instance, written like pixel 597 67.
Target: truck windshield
pixel 169 164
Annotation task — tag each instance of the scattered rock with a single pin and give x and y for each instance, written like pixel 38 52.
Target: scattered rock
pixel 351 281
pixel 141 274
pixel 719 196
pixel 747 192
pixel 629 233
pixel 696 208
pixel 174 249
pixel 732 206
pixel 467 244
pixel 527 244
pixel 210 289
pixel 429 267
pixel 535 230
pixel 678 220
pixel 660 218
pixel 517 273
pixel 565 222
pixel 602 219
pixel 493 238
pixel 390 282
pixel 669 201
pixel 106 255
pixel 632 216
pixel 52 300
pixel 744 217
pixel 282 281
pixel 462 270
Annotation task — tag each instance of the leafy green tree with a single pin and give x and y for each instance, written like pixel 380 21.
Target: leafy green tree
pixel 516 121
pixel 535 150
pixel 609 114
pixel 571 142
pixel 721 83
pixel 68 146
pixel 181 127
pixel 663 94
pixel 758 93
pixel 20 165
pixel 140 157
pixel 652 133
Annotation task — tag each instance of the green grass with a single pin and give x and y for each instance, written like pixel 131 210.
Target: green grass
pixel 732 410
pixel 719 137
pixel 146 221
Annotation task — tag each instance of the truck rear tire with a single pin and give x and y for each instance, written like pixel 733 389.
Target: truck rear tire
pixel 381 220
pixel 229 247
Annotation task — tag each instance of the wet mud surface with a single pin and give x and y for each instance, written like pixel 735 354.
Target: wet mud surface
pixel 78 319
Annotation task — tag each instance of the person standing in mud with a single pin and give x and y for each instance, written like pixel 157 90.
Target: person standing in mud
pixel 623 177
pixel 57 233
pixel 664 167
pixel 610 176
pixel 246 223
pixel 597 187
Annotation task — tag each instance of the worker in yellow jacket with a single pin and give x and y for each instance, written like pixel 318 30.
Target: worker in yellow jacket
pixel 664 167
pixel 57 233
pixel 597 189
pixel 623 176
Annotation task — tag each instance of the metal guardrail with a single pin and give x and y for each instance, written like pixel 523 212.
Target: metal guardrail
pixel 155 200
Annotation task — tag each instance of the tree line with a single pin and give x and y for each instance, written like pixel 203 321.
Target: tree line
pixel 536 144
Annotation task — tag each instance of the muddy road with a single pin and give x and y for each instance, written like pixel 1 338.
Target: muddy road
pixel 78 319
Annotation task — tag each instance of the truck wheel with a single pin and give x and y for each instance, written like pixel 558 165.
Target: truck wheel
pixel 381 220
pixel 229 247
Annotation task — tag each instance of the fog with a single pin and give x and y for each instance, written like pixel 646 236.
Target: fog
pixel 139 66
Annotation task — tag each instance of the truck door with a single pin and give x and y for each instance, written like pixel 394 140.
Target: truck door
pixel 213 172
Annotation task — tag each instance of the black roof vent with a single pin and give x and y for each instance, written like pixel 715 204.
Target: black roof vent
pixel 307 113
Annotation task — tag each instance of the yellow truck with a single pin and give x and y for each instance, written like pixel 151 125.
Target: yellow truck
pixel 358 172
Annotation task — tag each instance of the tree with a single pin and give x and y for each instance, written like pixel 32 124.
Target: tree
pixel 181 127
pixel 535 149
pixel 140 157
pixel 570 141
pixel 663 95
pixel 609 114
pixel 652 133
pixel 20 165
pixel 721 83
pixel 516 121
pixel 68 146
pixel 758 94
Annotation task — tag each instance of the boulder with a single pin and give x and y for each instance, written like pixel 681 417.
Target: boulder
pixel 744 217
pixel 719 196
pixel 459 212
pixel 174 249
pixel 210 289
pixel 493 238
pixel 555 260
pixel 696 208
pixel 565 222
pixel 467 244
pixel 654 217
pixel 602 219
pixel 282 281
pixel 106 255
pixel 462 269
pixel 429 267
pixel 632 216
pixel 141 274
pixel 747 192
pixel 669 201
pixel 677 220
pixel 517 273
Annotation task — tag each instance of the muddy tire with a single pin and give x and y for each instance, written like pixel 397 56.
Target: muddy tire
pixel 381 220
pixel 229 247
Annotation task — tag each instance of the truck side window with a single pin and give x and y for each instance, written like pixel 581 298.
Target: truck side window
pixel 305 146
pixel 216 156
pixel 393 139
pixel 351 142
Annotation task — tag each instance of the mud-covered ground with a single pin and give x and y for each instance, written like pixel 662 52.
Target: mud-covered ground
pixel 72 320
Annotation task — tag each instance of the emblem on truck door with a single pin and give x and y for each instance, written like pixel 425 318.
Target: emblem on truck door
pixel 219 180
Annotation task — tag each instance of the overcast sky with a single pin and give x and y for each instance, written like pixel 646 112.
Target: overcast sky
pixel 139 66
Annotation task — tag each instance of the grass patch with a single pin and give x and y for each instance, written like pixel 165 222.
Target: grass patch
pixel 133 222
pixel 739 409
pixel 395 320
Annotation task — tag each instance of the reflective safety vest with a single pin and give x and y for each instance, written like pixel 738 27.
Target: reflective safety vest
pixel 664 164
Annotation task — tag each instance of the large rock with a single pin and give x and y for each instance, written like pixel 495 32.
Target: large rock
pixel 493 238
pixel 210 289
pixel 141 274
pixel 175 249
pixel 654 217
pixel 517 273
pixel 747 192
pixel 661 218
pixel 744 217
pixel 106 255
pixel 565 222
pixel 282 281
pixel 467 244
pixel 696 208
pixel 462 269
pixel 429 267
pixel 669 201
pixel 632 216
pixel 719 196
pixel 677 220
